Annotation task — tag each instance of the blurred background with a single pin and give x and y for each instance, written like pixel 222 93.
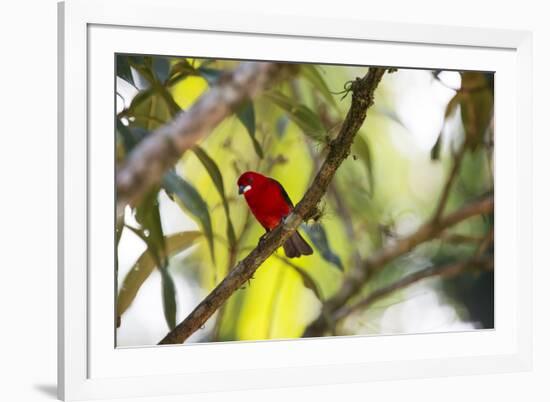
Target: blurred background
pixel 185 236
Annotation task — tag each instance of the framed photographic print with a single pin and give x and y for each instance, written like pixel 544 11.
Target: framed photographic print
pixel 264 201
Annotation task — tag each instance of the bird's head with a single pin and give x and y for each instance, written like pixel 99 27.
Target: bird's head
pixel 250 181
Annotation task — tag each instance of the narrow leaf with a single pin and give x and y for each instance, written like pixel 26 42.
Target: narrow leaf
pixel 148 215
pixel 300 114
pixel 150 110
pixel 192 202
pixel 307 279
pixel 247 117
pixel 390 114
pixel 318 237
pixel 311 73
pixel 281 125
pixel 123 69
pixel 211 75
pixel 168 298
pixel 145 265
pixel 140 98
pixel 161 69
pixel 173 107
pixel 136 60
pixel 180 70
pixel 182 67
pixel 131 135
pixel 245 114
pixel 217 179
pixel 361 148
pixel 142 78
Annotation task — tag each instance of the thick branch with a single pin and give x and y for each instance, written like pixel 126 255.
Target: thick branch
pixel 148 162
pixel 339 149
pixel 354 281
pixel 446 271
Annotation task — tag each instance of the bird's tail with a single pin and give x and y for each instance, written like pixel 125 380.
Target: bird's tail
pixel 296 246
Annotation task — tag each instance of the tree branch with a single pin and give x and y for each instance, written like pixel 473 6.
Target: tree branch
pixel 354 281
pixel 363 96
pixel 147 163
pixel 457 161
pixel 447 270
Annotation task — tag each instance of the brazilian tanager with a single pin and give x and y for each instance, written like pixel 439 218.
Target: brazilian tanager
pixel 269 202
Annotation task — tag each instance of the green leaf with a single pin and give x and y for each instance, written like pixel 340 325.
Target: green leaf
pixel 136 60
pixel 150 109
pixel 141 66
pixel 139 99
pixel 247 117
pixel 173 107
pixel 192 202
pixel 180 70
pixel 280 125
pixel 182 67
pixel 211 75
pixel 319 238
pixel 245 114
pixel 148 216
pixel 123 69
pixel 300 114
pixel 161 69
pixel 131 135
pixel 390 114
pixel 145 265
pixel 217 179
pixel 361 148
pixel 154 106
pixel 168 298
pixel 311 73
pixel 307 279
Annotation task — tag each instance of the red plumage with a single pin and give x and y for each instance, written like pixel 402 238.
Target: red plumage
pixel 269 203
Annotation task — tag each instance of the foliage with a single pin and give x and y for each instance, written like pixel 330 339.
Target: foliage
pixel 284 134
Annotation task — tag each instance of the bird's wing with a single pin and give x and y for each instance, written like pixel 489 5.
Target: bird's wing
pixel 283 192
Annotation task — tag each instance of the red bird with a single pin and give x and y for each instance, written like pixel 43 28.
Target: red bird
pixel 269 202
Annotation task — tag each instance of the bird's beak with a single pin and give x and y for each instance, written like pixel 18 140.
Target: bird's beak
pixel 244 189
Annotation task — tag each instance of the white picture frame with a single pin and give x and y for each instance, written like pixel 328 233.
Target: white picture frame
pixel 89 365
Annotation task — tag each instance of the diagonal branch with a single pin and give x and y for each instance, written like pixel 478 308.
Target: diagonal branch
pixel 363 97
pixel 147 163
pixel 455 169
pixel 447 271
pixel 354 281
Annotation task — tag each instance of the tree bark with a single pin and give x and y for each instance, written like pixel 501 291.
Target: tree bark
pixel 147 163
pixel 362 98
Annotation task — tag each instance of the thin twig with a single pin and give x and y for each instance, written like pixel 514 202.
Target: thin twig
pixel 457 161
pixel 486 243
pixel 356 278
pixel 447 271
pixel 339 149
